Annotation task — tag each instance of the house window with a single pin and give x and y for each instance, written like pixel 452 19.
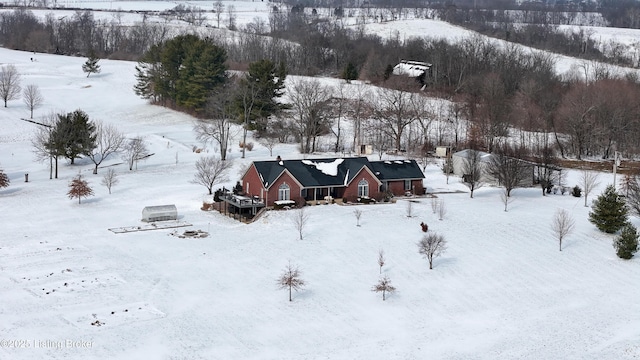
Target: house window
pixel 363 188
pixel 407 185
pixel 284 192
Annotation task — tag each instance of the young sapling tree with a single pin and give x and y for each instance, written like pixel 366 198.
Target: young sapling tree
pixel 562 225
pixel 358 214
pixel 300 220
pixel 135 150
pixel 79 188
pixel 384 286
pixel 505 198
pixel 110 179
pixel 588 180
pixel 32 98
pixel 381 260
pixel 432 246
pixel 442 210
pixel 291 279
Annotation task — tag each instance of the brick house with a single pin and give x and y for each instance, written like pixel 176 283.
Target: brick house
pixel 314 180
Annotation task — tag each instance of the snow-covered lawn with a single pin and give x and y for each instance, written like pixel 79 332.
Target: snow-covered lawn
pixel 502 290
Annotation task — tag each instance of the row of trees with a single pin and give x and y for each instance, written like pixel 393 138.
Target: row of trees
pixel 73 135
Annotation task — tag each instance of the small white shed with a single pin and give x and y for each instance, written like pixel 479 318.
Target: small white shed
pixel 159 213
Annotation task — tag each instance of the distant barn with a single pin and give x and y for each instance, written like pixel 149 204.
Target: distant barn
pixel 159 213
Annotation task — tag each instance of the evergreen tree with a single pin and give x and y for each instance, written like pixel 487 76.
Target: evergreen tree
pixel 350 72
pixel 388 71
pixel 201 71
pixel 91 65
pixel 626 244
pixel 181 72
pixel 609 211
pixel 73 135
pixel 264 82
pixel 4 179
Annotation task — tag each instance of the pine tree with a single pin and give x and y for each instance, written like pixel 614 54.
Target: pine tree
pixel 91 65
pixel 79 188
pixel 4 179
pixel 350 72
pixel 626 244
pixel 609 211
pixel 181 72
pixel 73 135
pixel 264 82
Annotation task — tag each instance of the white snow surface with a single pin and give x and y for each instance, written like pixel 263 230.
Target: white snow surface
pixel 326 167
pixel 502 290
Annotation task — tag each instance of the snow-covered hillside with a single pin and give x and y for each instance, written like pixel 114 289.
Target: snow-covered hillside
pixel 502 290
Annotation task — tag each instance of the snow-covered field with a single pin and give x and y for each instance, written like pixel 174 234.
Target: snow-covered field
pixel 71 289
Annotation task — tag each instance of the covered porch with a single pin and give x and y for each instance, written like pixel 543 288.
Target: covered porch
pixel 317 195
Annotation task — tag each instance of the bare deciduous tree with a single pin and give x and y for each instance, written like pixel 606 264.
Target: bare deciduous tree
pixel 231 17
pixel 505 198
pixel 291 279
pixel 109 140
pixel 507 169
pixel 300 220
pixel 358 214
pixel 381 259
pixel 588 180
pixel 472 170
pixel 269 141
pixel 43 139
pixel 409 208
pixel 218 8
pixel 631 187
pixel 32 98
pixel 396 110
pixel 79 188
pixel 442 210
pixel 384 286
pixel 110 179
pixel 134 151
pixel 434 205
pixel 562 225
pixel 9 83
pixel 431 246
pixel 211 171
pixel 220 117
pixel 308 111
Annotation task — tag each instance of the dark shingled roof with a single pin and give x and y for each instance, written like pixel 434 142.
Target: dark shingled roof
pixel 397 170
pixel 308 174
